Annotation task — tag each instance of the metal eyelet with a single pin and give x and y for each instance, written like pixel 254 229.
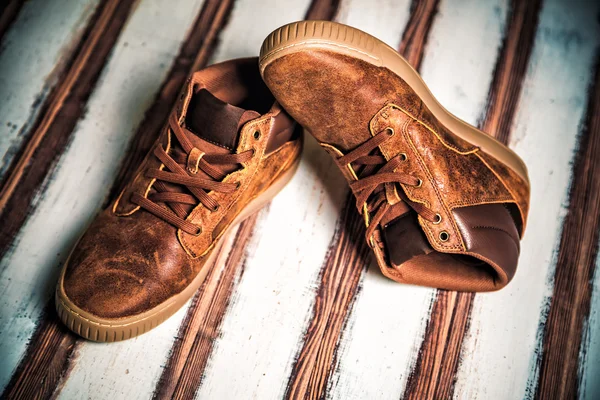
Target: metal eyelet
pixel 444 236
pixel 438 219
pixel 420 183
pixel 256 135
pixel 403 156
pixel 198 231
pixel 390 131
pixel 215 208
pixel 238 184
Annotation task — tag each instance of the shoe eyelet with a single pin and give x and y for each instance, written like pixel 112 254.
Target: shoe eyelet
pixel 444 236
pixel 198 231
pixel 403 156
pixel 215 208
pixel 256 135
pixel 438 219
pixel 390 131
pixel 238 184
pixel 419 183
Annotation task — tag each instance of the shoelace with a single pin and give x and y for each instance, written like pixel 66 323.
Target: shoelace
pixel 173 172
pixel 372 181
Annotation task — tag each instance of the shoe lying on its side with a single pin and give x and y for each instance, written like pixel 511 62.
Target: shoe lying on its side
pixel 445 204
pixel 226 150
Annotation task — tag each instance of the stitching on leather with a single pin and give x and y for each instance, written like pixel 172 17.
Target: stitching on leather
pixel 514 198
pixel 194 213
pixel 453 148
pixel 217 144
pixel 282 169
pixel 483 201
pixel 429 232
pixel 243 141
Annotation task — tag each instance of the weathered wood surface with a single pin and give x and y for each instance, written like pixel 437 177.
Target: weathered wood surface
pixel 84 89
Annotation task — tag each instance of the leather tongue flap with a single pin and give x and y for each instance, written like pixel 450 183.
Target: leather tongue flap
pixel 404 239
pixel 215 121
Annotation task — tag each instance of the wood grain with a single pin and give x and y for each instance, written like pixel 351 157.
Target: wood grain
pixel 8 13
pixel 41 355
pixel 434 373
pixel 447 328
pixel 45 361
pixel 185 367
pixel 348 257
pixel 194 54
pixel 576 262
pixel 35 54
pixel 323 9
pixel 63 110
pixel 414 38
pixel 503 100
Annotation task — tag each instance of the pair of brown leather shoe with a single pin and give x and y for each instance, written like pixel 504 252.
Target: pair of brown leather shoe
pixel 444 204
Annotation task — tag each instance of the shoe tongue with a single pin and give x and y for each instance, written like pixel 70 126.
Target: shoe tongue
pixel 404 239
pixel 215 121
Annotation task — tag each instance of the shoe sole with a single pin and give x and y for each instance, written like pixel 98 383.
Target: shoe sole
pixel 342 39
pixel 100 329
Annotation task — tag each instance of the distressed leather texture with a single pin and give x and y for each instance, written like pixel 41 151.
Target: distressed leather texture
pixel 344 101
pixel 129 260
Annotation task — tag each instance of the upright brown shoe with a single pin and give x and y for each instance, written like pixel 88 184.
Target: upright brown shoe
pixel 226 150
pixel 444 203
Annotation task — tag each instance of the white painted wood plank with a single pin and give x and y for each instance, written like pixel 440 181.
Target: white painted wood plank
pixel 589 355
pixel 139 63
pixel 501 349
pixel 387 325
pixel 269 310
pixel 130 369
pixel 43 33
pixel 271 304
pixel 386 20
pixel 251 22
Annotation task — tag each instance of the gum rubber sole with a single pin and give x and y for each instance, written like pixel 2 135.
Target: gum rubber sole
pixel 100 329
pixel 343 39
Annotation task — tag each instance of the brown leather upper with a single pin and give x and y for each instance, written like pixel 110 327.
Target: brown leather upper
pixel 482 204
pixel 130 260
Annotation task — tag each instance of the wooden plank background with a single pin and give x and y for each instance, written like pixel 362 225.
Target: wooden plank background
pixel 84 88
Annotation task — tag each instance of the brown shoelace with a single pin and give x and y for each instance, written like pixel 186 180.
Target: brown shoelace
pixel 372 181
pixel 174 172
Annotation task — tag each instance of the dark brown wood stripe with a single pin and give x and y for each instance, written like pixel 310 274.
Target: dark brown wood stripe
pixel 184 371
pixel 58 117
pixel 194 55
pixel 45 361
pixel 503 98
pixel 44 356
pixel 434 373
pixel 183 374
pixel 577 253
pixel 414 38
pixel 347 259
pixel 8 14
pixel 323 9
